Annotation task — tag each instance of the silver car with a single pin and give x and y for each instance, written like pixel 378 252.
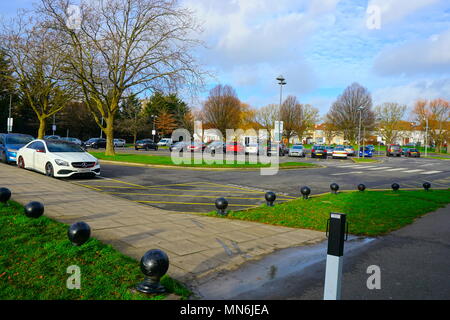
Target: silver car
pixel 297 151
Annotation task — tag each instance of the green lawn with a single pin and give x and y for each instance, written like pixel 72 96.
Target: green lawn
pixel 369 213
pixel 166 160
pixel 35 254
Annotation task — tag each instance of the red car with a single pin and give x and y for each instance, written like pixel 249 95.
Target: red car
pixel 196 147
pixel 235 147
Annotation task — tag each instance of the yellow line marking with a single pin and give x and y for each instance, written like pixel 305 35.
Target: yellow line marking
pixel 189 190
pixel 86 186
pixel 245 189
pixel 203 204
pixel 161 185
pixel 177 195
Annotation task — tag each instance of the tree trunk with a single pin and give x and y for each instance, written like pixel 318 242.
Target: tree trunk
pixel 134 138
pixel 41 131
pixel 109 132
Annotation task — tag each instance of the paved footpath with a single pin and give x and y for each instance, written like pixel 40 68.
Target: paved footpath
pixel 198 246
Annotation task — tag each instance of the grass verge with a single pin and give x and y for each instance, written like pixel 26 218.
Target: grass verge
pixel 369 213
pixel 35 254
pixel 167 161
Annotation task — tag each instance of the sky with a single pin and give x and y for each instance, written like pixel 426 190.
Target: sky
pixel 398 49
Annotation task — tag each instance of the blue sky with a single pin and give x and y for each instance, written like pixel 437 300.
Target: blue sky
pixel 321 47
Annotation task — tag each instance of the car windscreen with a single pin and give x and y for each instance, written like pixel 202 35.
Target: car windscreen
pixel 339 149
pixel 63 147
pixel 413 150
pixel 297 147
pixel 319 147
pixel 12 139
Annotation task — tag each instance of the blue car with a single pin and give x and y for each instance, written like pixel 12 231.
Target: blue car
pixel 367 152
pixel 10 143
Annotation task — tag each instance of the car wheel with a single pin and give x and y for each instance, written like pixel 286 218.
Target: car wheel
pixel 49 170
pixel 95 146
pixel 156 149
pixel 21 163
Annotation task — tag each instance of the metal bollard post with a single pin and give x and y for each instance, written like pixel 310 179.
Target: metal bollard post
pixel 336 233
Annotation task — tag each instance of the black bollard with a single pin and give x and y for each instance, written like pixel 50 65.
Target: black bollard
pixel 221 205
pixel 154 264
pixel 5 195
pixel 361 187
pixel 305 191
pixel 270 198
pixel 395 186
pixel 34 209
pixel 426 186
pixel 79 233
pixel 334 187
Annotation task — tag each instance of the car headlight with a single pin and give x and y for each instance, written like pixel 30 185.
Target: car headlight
pixel 62 163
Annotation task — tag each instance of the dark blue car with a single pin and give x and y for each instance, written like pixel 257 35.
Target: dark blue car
pixel 10 143
pixel 367 152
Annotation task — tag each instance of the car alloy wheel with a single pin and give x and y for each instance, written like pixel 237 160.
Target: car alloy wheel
pixel 49 170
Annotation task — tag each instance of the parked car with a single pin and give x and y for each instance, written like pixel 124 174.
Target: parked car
pixel 297 151
pixel 165 142
pixel 272 149
pixel 95 143
pixel 145 144
pixel 371 147
pixel 350 150
pixel 412 152
pixel 119 143
pixel 214 147
pixel 57 158
pixel 367 152
pixel 179 146
pixel 393 150
pixel 73 140
pixel 196 147
pixel 329 150
pixel 339 152
pixel 52 137
pixel 252 148
pixel 318 151
pixel 10 143
pixel 235 147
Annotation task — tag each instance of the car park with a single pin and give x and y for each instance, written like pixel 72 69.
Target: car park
pixel 350 150
pixel 371 147
pixel 119 143
pixel 273 147
pixel 339 152
pixel 52 137
pixel 165 142
pixel 196 147
pixel 297 151
pixel 412 152
pixel 10 143
pixel 329 150
pixel 56 158
pixel 367 152
pixel 319 151
pixel 393 150
pixel 95 143
pixel 145 144
pixel 73 140
pixel 178 146
pixel 252 148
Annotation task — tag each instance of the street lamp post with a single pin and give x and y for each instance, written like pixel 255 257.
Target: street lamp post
pixel 281 82
pixel 426 137
pixel 9 122
pixel 154 129
pixel 359 129
pixel 101 130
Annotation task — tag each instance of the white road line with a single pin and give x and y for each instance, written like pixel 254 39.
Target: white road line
pixel 342 173
pixel 430 172
pixel 397 169
pixel 379 168
pixel 412 171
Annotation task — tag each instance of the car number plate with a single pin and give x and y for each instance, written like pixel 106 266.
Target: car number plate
pixel 84 170
pixel 319 154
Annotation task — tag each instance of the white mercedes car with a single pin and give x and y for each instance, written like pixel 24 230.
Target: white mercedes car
pixel 57 158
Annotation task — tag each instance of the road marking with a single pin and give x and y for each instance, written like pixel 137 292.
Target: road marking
pixel 397 169
pixel 169 189
pixel 192 203
pixel 352 172
pixel 378 168
pixel 412 171
pixel 183 195
pixel 430 172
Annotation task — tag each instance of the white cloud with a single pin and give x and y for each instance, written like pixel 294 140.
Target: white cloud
pixel 421 56
pixel 396 10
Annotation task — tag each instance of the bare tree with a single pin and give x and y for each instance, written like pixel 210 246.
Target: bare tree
pixel 330 131
pixel 291 115
pixel 37 66
pixel 266 117
pixel 309 116
pixel 388 117
pixel 123 45
pixel 132 119
pixel 344 112
pixel 437 112
pixel 222 109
